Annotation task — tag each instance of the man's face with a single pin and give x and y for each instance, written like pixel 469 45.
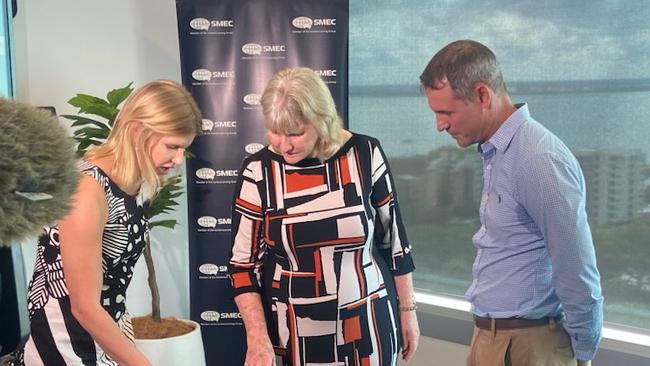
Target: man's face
pixel 463 120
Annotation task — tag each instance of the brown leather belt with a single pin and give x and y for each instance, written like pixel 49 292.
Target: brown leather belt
pixel 514 323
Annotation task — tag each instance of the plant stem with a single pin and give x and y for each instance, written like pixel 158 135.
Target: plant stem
pixel 153 284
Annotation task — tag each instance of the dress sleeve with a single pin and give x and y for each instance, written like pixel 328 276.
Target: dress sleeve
pixel 248 246
pixel 390 235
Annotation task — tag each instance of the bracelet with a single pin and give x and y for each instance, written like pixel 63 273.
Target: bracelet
pixel 412 307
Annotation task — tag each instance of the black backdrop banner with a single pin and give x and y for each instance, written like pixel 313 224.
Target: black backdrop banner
pixel 229 50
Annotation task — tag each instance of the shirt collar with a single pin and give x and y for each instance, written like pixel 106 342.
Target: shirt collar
pixel 502 137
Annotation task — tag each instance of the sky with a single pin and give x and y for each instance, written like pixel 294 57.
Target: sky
pixel 535 40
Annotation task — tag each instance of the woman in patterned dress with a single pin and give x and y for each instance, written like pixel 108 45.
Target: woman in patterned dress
pixel 85 262
pixel 320 265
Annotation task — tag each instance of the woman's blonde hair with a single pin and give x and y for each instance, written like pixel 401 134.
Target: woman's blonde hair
pixel 156 109
pixel 298 95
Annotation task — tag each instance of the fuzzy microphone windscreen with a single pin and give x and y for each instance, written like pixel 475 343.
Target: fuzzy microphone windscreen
pixel 38 170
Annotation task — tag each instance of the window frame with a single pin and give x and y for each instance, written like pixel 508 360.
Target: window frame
pixel 7 19
pixel 449 319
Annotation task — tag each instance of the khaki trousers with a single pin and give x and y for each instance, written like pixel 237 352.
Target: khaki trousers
pixel 545 345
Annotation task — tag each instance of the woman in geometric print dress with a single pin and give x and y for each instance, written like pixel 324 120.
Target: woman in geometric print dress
pixel 85 262
pixel 320 265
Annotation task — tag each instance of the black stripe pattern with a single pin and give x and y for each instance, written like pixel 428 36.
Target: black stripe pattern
pixel 56 337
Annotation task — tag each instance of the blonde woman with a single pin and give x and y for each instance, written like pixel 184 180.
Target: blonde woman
pixel 321 266
pixel 84 263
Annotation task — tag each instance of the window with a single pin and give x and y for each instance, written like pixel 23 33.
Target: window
pixel 6 76
pixel 584 69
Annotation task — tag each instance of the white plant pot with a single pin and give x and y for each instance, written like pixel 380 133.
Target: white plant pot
pixel 186 349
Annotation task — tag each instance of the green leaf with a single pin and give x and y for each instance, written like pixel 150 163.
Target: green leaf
pixel 116 96
pixel 164 201
pixel 83 101
pixel 93 105
pixel 83 121
pixel 84 144
pixel 170 224
pixel 107 111
pixel 91 133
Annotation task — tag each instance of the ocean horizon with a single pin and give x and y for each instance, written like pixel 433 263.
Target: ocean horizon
pixel 590 120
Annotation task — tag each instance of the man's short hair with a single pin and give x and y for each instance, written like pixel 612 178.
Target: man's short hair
pixel 463 64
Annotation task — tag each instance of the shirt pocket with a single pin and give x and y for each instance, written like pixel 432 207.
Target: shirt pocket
pixel 504 215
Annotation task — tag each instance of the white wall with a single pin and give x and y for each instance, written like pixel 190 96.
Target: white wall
pixel 91 46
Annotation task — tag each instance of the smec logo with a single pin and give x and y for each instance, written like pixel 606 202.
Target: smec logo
pixel 202 24
pixel 302 22
pixel 252 99
pixel 309 23
pixel 258 49
pixel 222 23
pixel 324 22
pixel 207 75
pixel 226 173
pixel 326 73
pixel 212 269
pixel 251 49
pixel 207 221
pixel 224 221
pixel 210 221
pixel 225 124
pixel 202 74
pixel 208 125
pixel 254 147
pixel 205 173
pixel 214 316
pixel 210 224
pixel 210 316
pixel 212 176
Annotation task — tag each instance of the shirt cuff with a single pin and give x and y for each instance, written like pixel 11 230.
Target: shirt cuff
pixel 585 350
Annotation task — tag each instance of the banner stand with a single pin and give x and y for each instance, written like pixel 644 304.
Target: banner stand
pixel 229 50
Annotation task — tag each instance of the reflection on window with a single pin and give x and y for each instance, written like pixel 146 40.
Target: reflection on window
pixel 584 73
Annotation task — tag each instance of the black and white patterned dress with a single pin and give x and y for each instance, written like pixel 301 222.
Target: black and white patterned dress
pixel 322 241
pixel 56 336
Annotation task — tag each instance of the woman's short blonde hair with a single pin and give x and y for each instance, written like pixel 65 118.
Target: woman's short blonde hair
pixel 298 95
pixel 157 109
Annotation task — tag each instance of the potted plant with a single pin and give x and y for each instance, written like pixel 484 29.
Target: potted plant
pixel 88 131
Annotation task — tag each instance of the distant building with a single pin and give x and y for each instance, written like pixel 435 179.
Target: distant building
pixel 450 182
pixel 411 188
pixel 615 184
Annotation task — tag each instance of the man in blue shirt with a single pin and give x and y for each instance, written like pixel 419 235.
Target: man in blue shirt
pixel 535 295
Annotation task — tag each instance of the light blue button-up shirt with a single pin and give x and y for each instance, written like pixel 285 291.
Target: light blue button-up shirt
pixel 535 255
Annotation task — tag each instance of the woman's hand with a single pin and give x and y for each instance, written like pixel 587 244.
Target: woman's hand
pixel 260 350
pixel 259 354
pixel 408 316
pixel 410 334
